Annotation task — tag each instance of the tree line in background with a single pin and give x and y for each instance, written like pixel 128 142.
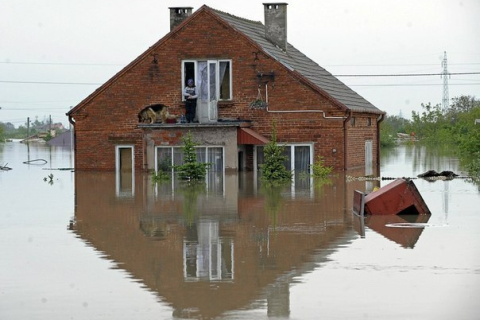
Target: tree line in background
pixel 37 127
pixel 455 128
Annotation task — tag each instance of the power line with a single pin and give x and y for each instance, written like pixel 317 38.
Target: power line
pixel 405 74
pixel 396 65
pixel 47 82
pixel 327 65
pixel 313 75
pixel 63 64
pixel 411 85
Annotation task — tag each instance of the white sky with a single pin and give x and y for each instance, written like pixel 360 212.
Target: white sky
pixel 79 45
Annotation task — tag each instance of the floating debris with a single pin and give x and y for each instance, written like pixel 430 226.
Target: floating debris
pixel 399 197
pixel 49 179
pixel 36 161
pixel 362 178
pixel 435 174
pixel 430 175
pixel 5 168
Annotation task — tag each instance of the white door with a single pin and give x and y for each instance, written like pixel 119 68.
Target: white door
pixel 125 170
pixel 212 91
pixel 368 157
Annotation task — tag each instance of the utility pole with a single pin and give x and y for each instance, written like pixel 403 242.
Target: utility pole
pixel 28 127
pixel 445 100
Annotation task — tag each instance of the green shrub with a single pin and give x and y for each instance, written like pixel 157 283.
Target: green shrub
pixel 319 170
pixel 274 170
pixel 191 169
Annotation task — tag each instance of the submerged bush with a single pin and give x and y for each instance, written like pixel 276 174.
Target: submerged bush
pixel 191 169
pixel 319 170
pixel 273 169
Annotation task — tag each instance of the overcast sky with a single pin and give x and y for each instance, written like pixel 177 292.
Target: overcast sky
pixel 54 53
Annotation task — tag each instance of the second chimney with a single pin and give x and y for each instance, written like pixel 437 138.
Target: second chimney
pixel 178 14
pixel 276 23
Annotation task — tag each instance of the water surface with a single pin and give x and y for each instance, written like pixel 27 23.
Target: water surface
pixel 98 246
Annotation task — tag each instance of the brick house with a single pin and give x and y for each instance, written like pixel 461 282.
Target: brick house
pixel 248 77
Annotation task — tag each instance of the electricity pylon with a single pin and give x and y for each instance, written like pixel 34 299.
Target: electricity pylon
pixel 445 100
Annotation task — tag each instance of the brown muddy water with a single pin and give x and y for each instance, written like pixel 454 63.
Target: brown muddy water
pixel 101 246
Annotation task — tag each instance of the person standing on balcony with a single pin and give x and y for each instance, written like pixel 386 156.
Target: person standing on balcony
pixel 190 94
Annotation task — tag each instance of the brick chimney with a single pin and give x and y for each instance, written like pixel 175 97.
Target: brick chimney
pixel 276 23
pixel 178 14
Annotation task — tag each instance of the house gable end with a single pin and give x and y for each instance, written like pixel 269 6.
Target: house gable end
pixel 146 54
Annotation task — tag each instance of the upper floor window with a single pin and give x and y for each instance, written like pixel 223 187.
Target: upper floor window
pixel 213 78
pixel 369 121
pixel 352 121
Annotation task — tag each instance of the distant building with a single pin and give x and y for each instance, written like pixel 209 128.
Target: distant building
pixel 63 139
pixel 248 77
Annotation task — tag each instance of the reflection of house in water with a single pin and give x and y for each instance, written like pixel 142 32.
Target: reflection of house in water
pixel 217 248
pixel 207 256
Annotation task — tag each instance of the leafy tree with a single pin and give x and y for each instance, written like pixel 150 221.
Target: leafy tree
pixel 190 169
pixel 2 132
pixel 454 127
pixel 274 170
pixel 389 129
pixel 425 125
pixel 387 134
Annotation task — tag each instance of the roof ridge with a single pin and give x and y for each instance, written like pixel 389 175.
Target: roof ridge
pixel 234 16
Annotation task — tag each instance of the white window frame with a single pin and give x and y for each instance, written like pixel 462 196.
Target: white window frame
pixel 292 153
pixel 117 169
pixel 218 84
pixel 179 147
pixel 230 79
pixel 182 84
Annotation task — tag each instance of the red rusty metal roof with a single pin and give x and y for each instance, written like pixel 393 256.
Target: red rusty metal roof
pixel 249 136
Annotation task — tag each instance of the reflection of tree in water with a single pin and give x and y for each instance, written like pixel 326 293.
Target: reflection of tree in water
pixel 154 228
pixel 190 191
pixel 273 199
pixel 320 182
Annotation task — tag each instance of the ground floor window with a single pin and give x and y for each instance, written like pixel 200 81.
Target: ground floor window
pixel 124 163
pixel 299 157
pixel 166 157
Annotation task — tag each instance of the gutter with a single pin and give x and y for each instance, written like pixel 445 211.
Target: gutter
pixel 379 120
pixel 299 111
pixel 345 140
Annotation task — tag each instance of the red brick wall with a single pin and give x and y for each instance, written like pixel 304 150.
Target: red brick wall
pixel 112 115
pixel 356 136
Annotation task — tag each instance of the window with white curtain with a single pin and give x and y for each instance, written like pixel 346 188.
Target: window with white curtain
pixel 299 157
pixel 198 70
pixel 173 156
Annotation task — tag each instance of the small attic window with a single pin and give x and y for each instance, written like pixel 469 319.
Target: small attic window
pixel 352 121
pixel 369 122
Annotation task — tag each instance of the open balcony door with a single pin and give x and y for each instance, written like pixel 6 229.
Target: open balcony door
pixel 208 75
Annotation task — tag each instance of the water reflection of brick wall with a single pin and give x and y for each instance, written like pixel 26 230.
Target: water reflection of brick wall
pixel 263 239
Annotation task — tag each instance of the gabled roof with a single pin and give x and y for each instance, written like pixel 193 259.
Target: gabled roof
pixel 296 61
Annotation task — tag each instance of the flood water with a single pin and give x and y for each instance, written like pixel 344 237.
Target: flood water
pixel 101 246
